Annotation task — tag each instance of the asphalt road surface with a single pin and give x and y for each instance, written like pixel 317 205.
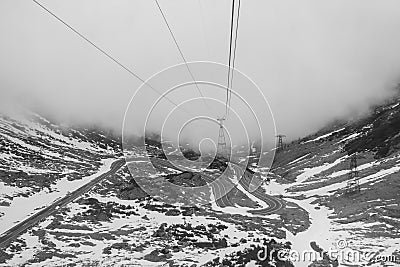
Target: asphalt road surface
pixel 274 203
pixel 10 235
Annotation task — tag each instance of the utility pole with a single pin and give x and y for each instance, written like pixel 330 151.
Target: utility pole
pixel 280 142
pixel 222 149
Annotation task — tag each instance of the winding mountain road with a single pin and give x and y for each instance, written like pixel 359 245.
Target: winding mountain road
pixel 274 203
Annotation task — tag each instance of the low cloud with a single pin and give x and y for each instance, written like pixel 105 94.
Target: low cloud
pixel 314 61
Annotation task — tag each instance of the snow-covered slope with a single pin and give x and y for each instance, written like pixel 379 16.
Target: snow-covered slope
pixel 316 169
pixel 41 161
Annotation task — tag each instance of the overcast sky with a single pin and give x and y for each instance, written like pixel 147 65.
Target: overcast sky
pixel 313 60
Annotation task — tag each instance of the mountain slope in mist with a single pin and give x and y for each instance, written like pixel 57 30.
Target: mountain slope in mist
pixel 316 171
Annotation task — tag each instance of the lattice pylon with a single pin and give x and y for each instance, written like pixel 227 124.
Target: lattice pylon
pixel 280 142
pixel 353 184
pixel 222 149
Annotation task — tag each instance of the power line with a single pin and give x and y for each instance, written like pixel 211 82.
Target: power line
pixel 180 51
pixel 203 29
pixel 107 54
pixel 204 33
pixel 229 59
pixel 234 51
